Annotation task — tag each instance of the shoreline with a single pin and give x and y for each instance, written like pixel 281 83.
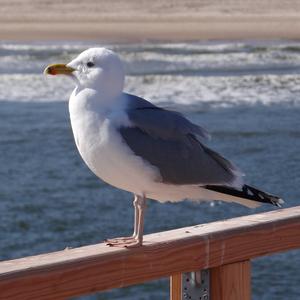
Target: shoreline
pixel 138 21
pixel 169 29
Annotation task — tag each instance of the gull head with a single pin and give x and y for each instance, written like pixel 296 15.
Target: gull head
pixel 95 68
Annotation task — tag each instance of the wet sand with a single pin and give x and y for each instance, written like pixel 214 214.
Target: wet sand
pixel 134 20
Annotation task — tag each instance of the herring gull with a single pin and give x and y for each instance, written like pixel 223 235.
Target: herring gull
pixel 136 146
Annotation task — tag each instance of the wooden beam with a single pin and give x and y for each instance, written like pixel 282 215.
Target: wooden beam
pixel 231 282
pixel 176 287
pixel 98 267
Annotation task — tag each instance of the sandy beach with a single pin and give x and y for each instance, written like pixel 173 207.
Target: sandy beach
pixel 134 20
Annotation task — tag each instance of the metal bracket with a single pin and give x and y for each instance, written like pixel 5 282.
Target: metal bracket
pixel 195 285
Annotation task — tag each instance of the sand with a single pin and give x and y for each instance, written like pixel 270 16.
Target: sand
pixel 134 20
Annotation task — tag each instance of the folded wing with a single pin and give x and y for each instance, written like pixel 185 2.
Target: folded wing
pixel 170 142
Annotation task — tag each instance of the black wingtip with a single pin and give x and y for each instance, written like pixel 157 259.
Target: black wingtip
pixel 248 192
pixel 261 196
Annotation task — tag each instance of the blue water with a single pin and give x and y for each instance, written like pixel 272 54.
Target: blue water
pixel 246 94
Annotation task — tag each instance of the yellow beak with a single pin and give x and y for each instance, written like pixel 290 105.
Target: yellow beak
pixel 57 69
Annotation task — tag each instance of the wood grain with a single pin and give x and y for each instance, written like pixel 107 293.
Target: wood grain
pixel 176 287
pixel 231 282
pixel 98 267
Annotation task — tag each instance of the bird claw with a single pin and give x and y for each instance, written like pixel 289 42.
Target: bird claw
pixel 134 244
pixel 120 239
pixel 126 242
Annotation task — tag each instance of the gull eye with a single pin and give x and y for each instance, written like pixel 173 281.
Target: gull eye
pixel 90 64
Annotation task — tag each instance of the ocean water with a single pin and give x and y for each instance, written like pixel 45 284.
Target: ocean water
pixel 247 94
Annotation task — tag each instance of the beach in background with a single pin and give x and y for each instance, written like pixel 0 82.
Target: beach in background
pixel 135 20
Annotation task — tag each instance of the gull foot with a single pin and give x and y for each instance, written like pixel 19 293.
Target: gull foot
pixel 127 242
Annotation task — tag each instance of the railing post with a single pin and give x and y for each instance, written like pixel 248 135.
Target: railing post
pixel 231 282
pixel 176 287
pixel 226 282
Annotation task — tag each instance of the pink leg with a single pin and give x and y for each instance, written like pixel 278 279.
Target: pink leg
pixel 137 238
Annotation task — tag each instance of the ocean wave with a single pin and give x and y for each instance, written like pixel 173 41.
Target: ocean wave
pixel 191 91
pixel 196 59
pixel 193 74
pixel 218 91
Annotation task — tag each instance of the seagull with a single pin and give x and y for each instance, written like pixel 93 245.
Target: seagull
pixel 136 146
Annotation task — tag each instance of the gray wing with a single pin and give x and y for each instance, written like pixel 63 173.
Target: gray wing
pixel 168 141
pixel 171 124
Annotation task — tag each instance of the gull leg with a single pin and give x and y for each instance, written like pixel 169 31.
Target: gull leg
pixel 137 237
pixel 136 215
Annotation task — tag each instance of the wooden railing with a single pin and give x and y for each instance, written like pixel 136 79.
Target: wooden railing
pixel 224 247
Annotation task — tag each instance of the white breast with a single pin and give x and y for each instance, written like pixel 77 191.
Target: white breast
pixel 102 148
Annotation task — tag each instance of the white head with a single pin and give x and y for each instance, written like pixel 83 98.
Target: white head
pixel 96 68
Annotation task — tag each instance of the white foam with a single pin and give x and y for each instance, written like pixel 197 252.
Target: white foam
pixel 218 91
pixel 218 74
